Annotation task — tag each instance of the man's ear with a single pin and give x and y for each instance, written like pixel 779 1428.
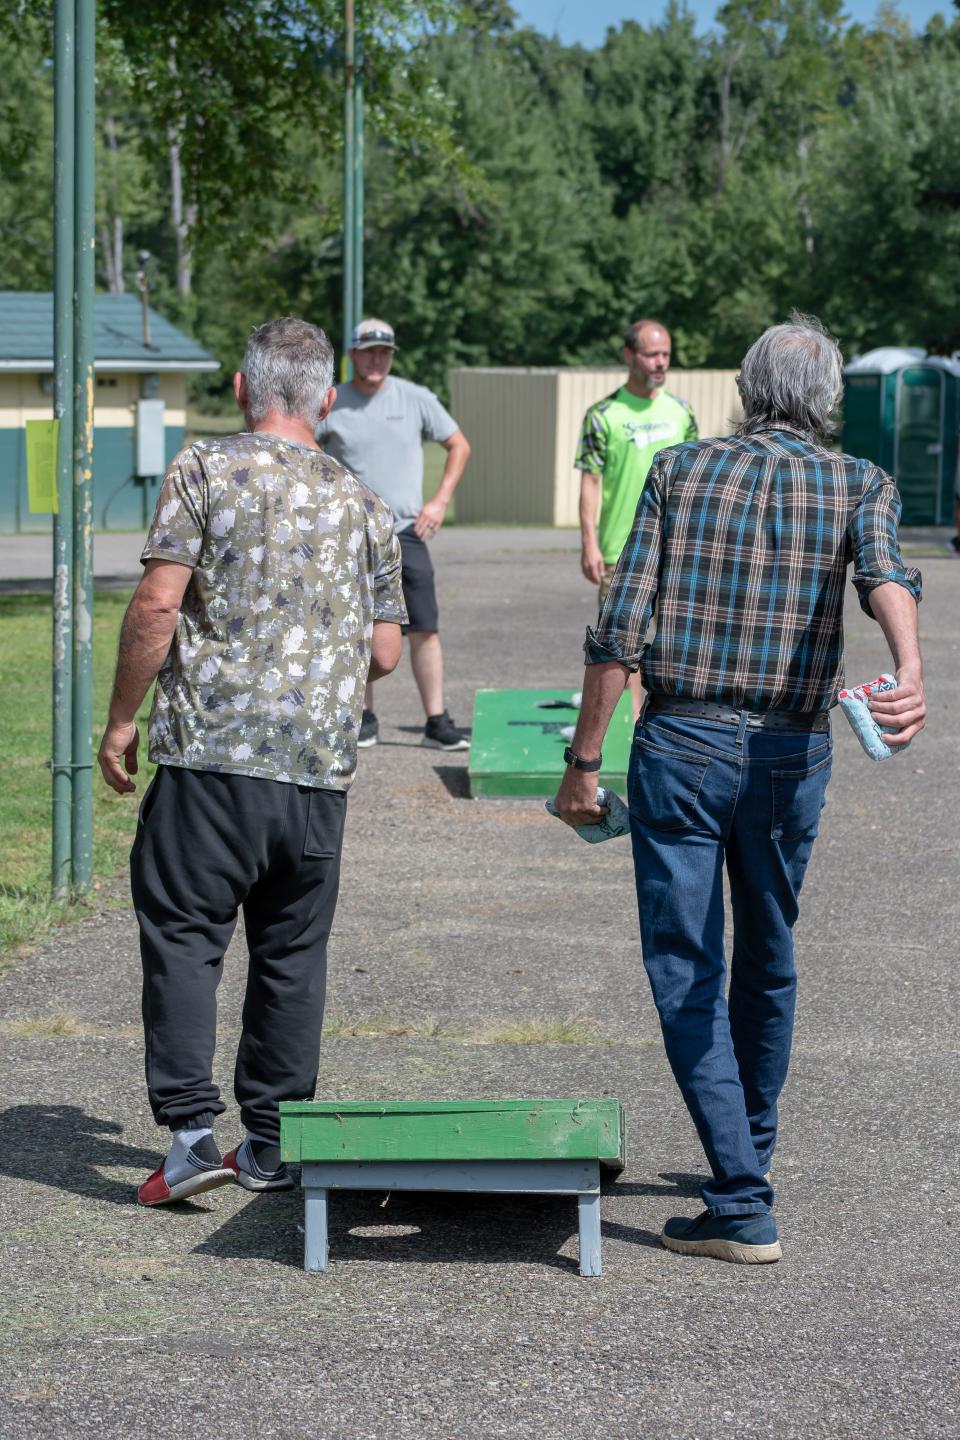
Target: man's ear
pixel 327 405
pixel 240 390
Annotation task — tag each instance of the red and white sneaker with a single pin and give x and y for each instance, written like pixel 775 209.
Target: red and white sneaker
pixel 203 1174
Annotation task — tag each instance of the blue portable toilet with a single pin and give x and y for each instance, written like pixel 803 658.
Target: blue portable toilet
pixel 901 409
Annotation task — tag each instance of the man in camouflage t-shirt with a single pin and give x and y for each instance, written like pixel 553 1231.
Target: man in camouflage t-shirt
pixel 271 591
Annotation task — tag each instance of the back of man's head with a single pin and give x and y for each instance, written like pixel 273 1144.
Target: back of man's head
pixel 288 367
pixel 792 375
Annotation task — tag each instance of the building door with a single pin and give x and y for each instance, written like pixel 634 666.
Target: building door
pixel 919 446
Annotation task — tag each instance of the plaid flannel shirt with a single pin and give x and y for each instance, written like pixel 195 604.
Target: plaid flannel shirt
pixel 744 544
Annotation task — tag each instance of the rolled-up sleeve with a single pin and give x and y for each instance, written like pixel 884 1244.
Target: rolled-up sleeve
pixel 874 544
pixel 626 613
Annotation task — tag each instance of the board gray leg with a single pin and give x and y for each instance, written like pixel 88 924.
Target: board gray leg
pixel 315 1246
pixel 589 1209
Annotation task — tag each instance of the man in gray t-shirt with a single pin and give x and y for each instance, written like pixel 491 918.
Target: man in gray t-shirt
pixel 376 429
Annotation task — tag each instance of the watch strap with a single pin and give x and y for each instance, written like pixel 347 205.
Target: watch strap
pixel 570 757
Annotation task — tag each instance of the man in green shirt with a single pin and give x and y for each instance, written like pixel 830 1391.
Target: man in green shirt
pixel 618 440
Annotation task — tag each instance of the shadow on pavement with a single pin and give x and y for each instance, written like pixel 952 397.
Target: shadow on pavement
pixel 630 1234
pixel 61 1146
pixel 455 780
pixel 680 1185
pixel 422 1227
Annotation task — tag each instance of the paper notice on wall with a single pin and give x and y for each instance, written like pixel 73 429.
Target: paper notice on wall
pixel 42 466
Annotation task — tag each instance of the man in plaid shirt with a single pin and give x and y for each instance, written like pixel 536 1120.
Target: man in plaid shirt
pixel 744 544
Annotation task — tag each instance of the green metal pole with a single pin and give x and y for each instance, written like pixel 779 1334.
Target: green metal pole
pixel 83 450
pixel 349 191
pixel 63 155
pixel 358 170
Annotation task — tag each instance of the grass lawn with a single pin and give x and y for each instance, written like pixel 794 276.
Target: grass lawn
pixel 26 911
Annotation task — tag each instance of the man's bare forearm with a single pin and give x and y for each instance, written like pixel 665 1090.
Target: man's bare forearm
pixel 145 637
pixel 897 614
pixel 589 505
pixel 903 710
pixel 576 800
pixel 602 688
pixel 386 647
pixel 458 453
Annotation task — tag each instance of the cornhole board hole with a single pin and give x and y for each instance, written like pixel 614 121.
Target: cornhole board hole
pixel 516 747
pixel 505 1147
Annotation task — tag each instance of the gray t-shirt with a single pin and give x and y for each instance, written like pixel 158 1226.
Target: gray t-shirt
pixel 380 438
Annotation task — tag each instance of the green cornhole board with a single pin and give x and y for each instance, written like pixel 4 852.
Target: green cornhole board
pixel 516 747
pixel 509 1147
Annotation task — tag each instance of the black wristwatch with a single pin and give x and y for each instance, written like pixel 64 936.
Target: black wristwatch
pixel 570 757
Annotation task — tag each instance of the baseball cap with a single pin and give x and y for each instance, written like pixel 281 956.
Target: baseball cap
pixel 372 332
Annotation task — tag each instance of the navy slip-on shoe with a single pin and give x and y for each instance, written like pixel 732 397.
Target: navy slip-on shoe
pixel 742 1239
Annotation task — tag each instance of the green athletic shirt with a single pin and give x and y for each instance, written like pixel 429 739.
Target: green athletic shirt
pixel 618 441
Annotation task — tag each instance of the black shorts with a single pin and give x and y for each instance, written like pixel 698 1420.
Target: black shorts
pixel 419 593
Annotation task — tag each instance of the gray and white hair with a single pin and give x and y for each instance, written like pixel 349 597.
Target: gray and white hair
pixel 792 375
pixel 288 367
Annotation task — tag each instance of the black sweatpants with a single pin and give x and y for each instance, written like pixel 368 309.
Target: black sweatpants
pixel 208 844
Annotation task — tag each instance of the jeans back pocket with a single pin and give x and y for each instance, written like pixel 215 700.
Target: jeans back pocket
pixel 665 785
pixel 799 795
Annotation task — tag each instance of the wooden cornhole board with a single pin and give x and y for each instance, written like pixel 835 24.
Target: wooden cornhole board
pixel 516 747
pixel 510 1147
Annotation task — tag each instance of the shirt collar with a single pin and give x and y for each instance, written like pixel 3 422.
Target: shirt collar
pixel 783 430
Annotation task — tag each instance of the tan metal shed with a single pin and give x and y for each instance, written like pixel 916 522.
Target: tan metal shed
pixel 523 426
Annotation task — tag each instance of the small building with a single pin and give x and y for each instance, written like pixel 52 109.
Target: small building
pixel 129 366
pixel 901 409
pixel 523 426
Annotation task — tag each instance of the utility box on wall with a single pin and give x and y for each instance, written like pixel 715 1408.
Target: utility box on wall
pixel 523 426
pixel 151 438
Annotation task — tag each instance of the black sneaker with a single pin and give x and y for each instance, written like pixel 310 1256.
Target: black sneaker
pixel 440 733
pixel 369 730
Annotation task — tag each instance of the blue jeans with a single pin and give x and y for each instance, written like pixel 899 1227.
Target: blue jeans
pixel 702 793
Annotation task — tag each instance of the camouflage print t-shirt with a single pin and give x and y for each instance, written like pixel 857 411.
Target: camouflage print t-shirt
pixel 293 560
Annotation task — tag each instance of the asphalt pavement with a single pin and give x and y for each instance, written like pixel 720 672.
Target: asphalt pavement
pixel 471 936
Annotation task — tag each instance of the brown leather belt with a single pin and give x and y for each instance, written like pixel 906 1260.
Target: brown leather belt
pixel 726 715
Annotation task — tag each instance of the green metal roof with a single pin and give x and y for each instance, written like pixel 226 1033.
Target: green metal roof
pixel 26 336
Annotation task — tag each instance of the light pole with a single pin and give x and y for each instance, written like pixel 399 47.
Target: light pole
pixel 63 168
pixel 73 404
pixel 84 261
pixel 352 179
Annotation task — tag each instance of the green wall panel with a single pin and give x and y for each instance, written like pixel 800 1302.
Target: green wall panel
pixel 120 500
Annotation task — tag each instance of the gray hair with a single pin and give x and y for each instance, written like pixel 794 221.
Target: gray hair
pixel 288 367
pixel 792 375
